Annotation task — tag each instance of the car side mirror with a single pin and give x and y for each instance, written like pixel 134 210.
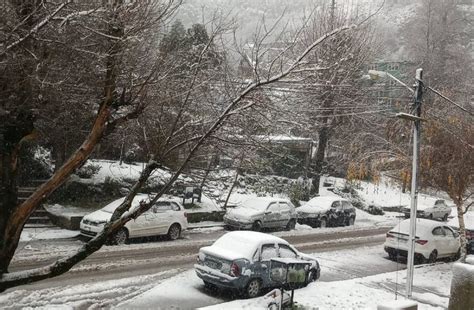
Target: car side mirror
pixel 456 235
pixel 268 212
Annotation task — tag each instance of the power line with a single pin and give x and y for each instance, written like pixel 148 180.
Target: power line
pixel 449 100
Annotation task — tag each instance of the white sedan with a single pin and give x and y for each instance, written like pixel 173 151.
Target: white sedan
pixel 433 240
pixel 166 217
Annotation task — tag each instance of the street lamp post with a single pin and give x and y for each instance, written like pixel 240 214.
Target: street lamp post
pixel 414 179
pixel 416 118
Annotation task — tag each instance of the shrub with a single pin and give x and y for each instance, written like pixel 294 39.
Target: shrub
pixel 87 171
pixel 298 192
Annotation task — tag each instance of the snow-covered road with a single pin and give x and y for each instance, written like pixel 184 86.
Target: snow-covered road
pixel 117 274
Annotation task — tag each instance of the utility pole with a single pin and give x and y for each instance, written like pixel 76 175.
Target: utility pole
pixel 414 176
pixel 333 13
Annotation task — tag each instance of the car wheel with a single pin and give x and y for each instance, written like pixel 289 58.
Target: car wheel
pixel 257 226
pixel 253 288
pixel 433 257
pixel 457 255
pixel 419 259
pixel 323 223
pixel 312 276
pixel 445 218
pixel 120 237
pixel 291 224
pixel 209 286
pixel 174 232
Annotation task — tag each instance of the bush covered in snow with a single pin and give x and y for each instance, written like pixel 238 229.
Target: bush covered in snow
pixel 88 171
pixel 351 194
pixel 298 192
pixel 79 193
pixel 36 164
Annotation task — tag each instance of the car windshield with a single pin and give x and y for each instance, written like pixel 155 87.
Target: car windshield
pixel 110 208
pixel 320 203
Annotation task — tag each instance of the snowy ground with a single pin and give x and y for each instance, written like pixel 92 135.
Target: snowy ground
pixel 366 292
pixel 46 233
pixel 183 289
pixel 357 292
pixel 351 278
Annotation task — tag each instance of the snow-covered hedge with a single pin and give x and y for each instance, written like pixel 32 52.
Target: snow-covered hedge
pixel 352 195
pixel 462 286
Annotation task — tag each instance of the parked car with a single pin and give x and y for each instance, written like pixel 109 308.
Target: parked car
pixel 261 212
pixel 433 240
pixel 326 211
pixel 430 208
pixel 166 217
pixel 469 226
pixel 240 260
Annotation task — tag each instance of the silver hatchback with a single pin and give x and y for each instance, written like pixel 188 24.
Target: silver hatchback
pixel 262 212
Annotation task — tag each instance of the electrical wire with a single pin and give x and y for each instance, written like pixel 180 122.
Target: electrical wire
pixel 450 101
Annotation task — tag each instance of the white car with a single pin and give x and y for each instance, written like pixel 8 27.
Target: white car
pixel 166 217
pixel 261 212
pixel 433 240
pixel 430 208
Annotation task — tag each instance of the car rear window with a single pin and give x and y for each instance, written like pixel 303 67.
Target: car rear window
pixel 438 231
pixel 347 205
pixel 268 251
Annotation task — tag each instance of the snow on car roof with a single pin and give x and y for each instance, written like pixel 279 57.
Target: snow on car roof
pixel 428 200
pixel 323 201
pixel 136 200
pixel 241 244
pixel 424 227
pixel 265 199
pixel 261 202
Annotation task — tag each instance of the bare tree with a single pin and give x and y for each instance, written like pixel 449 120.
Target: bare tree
pixel 118 34
pixel 447 161
pixel 332 97
pixel 31 31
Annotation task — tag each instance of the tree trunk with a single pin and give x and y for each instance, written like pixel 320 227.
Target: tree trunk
pixel 236 178
pixel 17 215
pixel 323 138
pixel 8 199
pixel 462 230
pixel 206 174
pixel 15 129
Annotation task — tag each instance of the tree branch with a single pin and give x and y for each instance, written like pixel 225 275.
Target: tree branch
pixel 36 28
